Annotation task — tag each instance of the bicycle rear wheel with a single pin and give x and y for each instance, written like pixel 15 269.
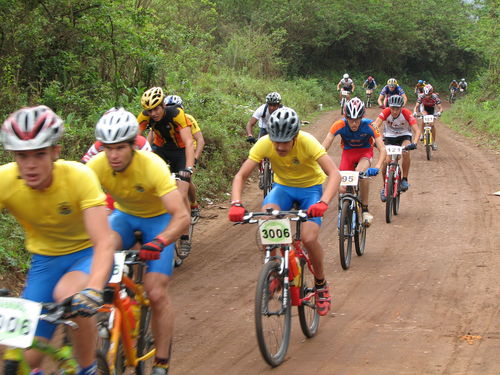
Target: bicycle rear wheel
pixel 360 236
pixel 308 315
pixel 428 146
pixel 390 197
pixel 145 342
pixel 345 235
pixel 272 317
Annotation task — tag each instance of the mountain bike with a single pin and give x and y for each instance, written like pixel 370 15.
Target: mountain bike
pixel 350 218
pixel 18 321
pixel 124 321
pixel 368 101
pixel 453 95
pixel 393 178
pixel 285 280
pixel 265 176
pixel 428 141
pixel 345 94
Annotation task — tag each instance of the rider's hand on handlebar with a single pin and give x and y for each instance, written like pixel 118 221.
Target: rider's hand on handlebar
pixel 236 212
pixel 317 209
pixel 152 250
pixel 372 172
pixel 86 302
pixel 251 139
pixel 437 114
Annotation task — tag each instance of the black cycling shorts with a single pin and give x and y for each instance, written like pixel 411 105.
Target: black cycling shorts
pixel 429 110
pixel 396 141
pixel 347 88
pixel 176 159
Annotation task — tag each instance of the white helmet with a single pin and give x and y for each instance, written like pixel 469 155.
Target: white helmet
pixel 463 80
pixel 273 98
pixel 31 128
pixel 283 125
pixel 346 76
pixel 115 126
pixel 354 109
pixel 173 100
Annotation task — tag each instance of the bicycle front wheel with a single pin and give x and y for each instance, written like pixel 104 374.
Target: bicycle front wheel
pixel 102 364
pixel 345 235
pixel 308 315
pixel 272 314
pixel 145 342
pixel 397 198
pixel 267 179
pixel 390 197
pixel 104 330
pixel 428 146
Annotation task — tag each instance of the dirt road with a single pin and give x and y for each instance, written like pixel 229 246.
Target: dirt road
pixel 424 299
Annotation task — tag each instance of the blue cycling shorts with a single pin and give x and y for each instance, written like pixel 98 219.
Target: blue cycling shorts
pixel 285 196
pixel 44 274
pixel 125 225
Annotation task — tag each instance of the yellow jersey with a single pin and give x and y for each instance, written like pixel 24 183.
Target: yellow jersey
pixel 297 169
pixel 195 128
pixel 52 218
pixel 136 190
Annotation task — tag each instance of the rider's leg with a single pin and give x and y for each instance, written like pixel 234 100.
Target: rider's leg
pixel 406 159
pixel 362 166
pixel 433 130
pixel 310 233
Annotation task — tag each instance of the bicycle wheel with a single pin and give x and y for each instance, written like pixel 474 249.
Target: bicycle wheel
pixel 345 235
pixel 390 197
pixel 360 236
pixel 308 315
pixel 145 342
pixel 103 344
pixel 267 179
pixel 428 146
pixel 397 198
pixel 272 318
pixel 342 104
pixel 12 367
pixel 102 364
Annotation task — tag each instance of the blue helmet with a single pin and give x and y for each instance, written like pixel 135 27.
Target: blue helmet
pixel 420 81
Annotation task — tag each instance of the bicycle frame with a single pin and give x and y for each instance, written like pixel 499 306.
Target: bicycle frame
pixel 393 166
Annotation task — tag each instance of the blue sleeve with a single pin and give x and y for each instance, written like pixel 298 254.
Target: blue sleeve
pixel 401 91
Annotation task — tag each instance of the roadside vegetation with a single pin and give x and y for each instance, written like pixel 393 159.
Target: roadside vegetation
pixel 223 56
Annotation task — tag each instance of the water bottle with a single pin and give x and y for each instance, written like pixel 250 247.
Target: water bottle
pixel 294 272
pixel 127 306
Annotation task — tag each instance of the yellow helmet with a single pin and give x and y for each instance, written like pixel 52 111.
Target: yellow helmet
pixel 392 82
pixel 152 97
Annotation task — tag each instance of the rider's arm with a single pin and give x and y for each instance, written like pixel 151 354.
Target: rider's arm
pixel 327 142
pixel 353 87
pixel 97 227
pixel 332 186
pixel 240 178
pixel 381 99
pixel 405 98
pixel 382 153
pixel 187 139
pixel 179 223
pixel 338 85
pixel 251 122
pixel 379 124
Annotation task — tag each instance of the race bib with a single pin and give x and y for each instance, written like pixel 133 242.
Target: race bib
pixel 18 321
pixel 277 231
pixel 118 267
pixel 349 178
pixel 394 150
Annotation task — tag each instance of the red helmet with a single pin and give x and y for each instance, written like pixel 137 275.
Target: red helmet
pixel 370 78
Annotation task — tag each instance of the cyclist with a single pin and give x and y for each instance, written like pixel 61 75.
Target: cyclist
pixel 419 87
pixel 462 84
pixel 398 124
pixel 300 167
pixel 199 144
pixel 347 85
pixel 370 83
pixel 262 115
pixel 358 136
pixel 172 141
pixel 392 88
pixel 62 210
pixel 426 104
pixel 453 85
pixel 147 200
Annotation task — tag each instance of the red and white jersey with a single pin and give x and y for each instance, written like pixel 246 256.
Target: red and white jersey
pixel 141 143
pixel 396 127
pixel 429 101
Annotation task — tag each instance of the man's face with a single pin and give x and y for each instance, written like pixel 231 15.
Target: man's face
pixel 119 155
pixel 392 87
pixel 354 123
pixel 395 111
pixel 273 107
pixel 157 112
pixel 35 166
pixel 283 148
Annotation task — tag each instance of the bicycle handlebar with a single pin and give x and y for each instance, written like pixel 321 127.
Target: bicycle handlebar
pixel 300 215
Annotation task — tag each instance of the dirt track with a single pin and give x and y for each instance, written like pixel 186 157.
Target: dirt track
pixel 424 299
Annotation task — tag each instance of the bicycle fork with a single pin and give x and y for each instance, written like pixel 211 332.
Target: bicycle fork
pixel 284 263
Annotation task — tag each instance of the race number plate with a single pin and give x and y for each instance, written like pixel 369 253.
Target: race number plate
pixel 393 150
pixel 349 178
pixel 345 92
pixel 428 119
pixel 118 267
pixel 18 321
pixel 368 92
pixel 275 231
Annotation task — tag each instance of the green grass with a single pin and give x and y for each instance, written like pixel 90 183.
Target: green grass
pixel 12 251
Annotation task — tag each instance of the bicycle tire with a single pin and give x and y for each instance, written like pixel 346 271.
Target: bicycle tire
pixel 145 342
pixel 102 364
pixel 103 345
pixel 12 367
pixel 308 315
pixel 273 342
pixel 390 197
pixel 345 237
pixel 397 198
pixel 267 179
pixel 342 104
pixel 360 236
pixel 428 146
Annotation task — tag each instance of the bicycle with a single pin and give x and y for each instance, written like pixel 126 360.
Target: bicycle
pixel 18 321
pixel 368 101
pixel 428 141
pixel 393 178
pixel 124 332
pixel 345 94
pixel 179 257
pixel 285 280
pixel 350 218
pixel 453 95
pixel 266 176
